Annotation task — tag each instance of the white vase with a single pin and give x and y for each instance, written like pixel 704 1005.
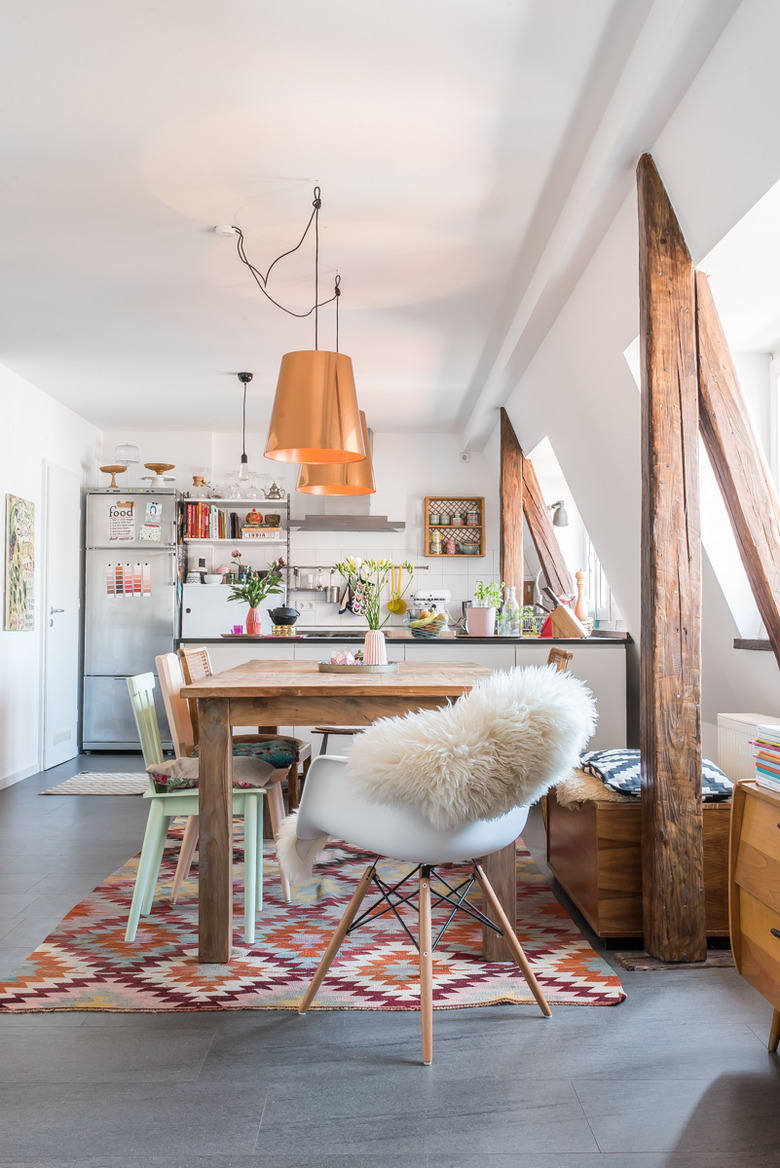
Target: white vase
pixel 481 622
pixel 374 648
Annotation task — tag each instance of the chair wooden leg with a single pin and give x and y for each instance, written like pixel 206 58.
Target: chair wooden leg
pixel 511 939
pixel 155 863
pixel 188 845
pixel 156 830
pixel 425 942
pixel 250 866
pixel 774 1031
pixel 293 794
pixel 335 941
pixel 276 815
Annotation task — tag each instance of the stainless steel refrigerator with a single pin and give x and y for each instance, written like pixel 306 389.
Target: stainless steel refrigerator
pixel 131 609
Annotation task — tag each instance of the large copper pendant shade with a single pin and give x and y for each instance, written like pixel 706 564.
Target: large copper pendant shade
pixel 346 478
pixel 315 417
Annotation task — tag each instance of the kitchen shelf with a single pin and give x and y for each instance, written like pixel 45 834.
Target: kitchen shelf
pixel 455 506
pixel 238 539
pixel 273 542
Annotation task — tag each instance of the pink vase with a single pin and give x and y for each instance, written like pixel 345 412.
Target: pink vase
pixel 481 622
pixel 253 622
pixel 374 648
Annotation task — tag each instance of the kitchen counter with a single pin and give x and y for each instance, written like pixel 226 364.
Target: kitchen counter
pixel 327 637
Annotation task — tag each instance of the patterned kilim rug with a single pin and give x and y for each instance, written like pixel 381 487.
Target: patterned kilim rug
pixel 85 964
pixel 99 783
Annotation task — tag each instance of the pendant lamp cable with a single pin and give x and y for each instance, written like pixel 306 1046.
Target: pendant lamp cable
pixel 244 378
pixel 336 294
pixel 262 279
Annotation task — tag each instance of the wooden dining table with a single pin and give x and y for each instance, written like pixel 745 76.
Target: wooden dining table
pixel 296 693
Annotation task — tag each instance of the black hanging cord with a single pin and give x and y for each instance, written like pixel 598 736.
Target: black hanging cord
pixel 262 280
pixel 245 378
pixel 336 295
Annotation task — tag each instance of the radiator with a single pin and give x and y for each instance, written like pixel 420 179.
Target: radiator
pixel 735 734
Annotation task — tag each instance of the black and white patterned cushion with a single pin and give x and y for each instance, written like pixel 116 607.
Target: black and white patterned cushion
pixel 618 769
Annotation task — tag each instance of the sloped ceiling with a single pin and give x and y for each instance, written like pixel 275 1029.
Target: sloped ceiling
pixel 470 156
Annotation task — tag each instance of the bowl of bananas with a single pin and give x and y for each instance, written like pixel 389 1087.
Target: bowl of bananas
pixel 427 625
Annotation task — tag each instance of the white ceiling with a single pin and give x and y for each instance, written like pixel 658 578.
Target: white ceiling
pixel 470 154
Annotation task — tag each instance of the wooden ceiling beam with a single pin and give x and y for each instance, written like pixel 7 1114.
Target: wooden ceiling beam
pixel 738 463
pixel 543 533
pixel 511 494
pixel 670 729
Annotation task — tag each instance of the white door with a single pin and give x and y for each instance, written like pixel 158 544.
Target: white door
pixel 60 615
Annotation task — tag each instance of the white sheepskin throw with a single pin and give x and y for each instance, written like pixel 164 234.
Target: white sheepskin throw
pixel 502 745
pixel 297 857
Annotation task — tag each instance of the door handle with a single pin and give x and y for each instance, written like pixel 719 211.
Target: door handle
pixel 53 610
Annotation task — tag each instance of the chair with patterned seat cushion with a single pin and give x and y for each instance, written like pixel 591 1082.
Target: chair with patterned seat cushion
pixel 280 754
pixel 196 664
pixel 174 792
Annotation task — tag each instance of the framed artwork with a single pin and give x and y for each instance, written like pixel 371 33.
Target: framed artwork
pixel 19 564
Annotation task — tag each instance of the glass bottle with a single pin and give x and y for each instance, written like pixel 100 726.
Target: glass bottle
pixel 509 620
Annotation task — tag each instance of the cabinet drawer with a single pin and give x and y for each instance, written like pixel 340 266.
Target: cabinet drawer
pixel 760 948
pixel 758 859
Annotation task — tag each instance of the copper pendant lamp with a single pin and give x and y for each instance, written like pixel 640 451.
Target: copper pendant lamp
pixel 346 478
pixel 315 417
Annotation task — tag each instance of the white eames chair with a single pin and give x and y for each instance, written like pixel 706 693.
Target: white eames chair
pixel 333 804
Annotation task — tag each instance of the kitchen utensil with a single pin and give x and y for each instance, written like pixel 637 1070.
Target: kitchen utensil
pixel 332 594
pixel 468 549
pixel 396 603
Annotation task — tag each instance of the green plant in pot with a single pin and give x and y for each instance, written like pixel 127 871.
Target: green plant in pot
pixel 255 588
pixel 481 619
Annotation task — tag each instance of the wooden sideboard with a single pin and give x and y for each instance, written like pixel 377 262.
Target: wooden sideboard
pixel 754 892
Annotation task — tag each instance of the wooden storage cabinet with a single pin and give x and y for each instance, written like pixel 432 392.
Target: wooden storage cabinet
pixel 754 893
pixel 451 507
pixel 594 851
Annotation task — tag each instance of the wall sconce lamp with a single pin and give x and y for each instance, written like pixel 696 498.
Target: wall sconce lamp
pixel 560 518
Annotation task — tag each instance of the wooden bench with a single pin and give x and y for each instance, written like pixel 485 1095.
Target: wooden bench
pixel 594 852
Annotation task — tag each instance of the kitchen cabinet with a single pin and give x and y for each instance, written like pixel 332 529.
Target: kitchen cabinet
pixel 460 517
pixel 754 892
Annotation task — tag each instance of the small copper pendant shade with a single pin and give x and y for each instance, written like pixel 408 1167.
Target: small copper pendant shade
pixel 345 478
pixel 315 417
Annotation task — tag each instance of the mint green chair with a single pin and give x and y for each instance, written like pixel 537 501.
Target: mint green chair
pixel 165 805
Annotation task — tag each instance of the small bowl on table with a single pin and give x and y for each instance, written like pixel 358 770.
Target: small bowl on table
pixel 212 578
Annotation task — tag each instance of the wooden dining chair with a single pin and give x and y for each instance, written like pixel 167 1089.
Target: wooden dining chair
pixel 171 678
pixel 166 805
pixel 196 664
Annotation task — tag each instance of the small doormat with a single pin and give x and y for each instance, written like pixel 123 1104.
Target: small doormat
pixel 86 964
pixel 99 783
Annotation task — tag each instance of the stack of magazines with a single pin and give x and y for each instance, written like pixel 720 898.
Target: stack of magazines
pixel 766 753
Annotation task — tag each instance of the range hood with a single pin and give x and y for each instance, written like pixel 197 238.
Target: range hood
pixel 347 523
pixel 333 513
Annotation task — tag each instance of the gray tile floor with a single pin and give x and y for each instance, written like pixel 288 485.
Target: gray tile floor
pixel 677 1075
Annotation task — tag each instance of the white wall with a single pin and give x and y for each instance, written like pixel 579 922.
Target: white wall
pixel 719 153
pixel 35 429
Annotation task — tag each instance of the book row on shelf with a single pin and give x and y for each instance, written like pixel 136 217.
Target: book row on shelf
pixel 766 755
pixel 204 521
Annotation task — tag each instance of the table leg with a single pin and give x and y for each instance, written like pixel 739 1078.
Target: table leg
pixel 500 869
pixel 215 880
